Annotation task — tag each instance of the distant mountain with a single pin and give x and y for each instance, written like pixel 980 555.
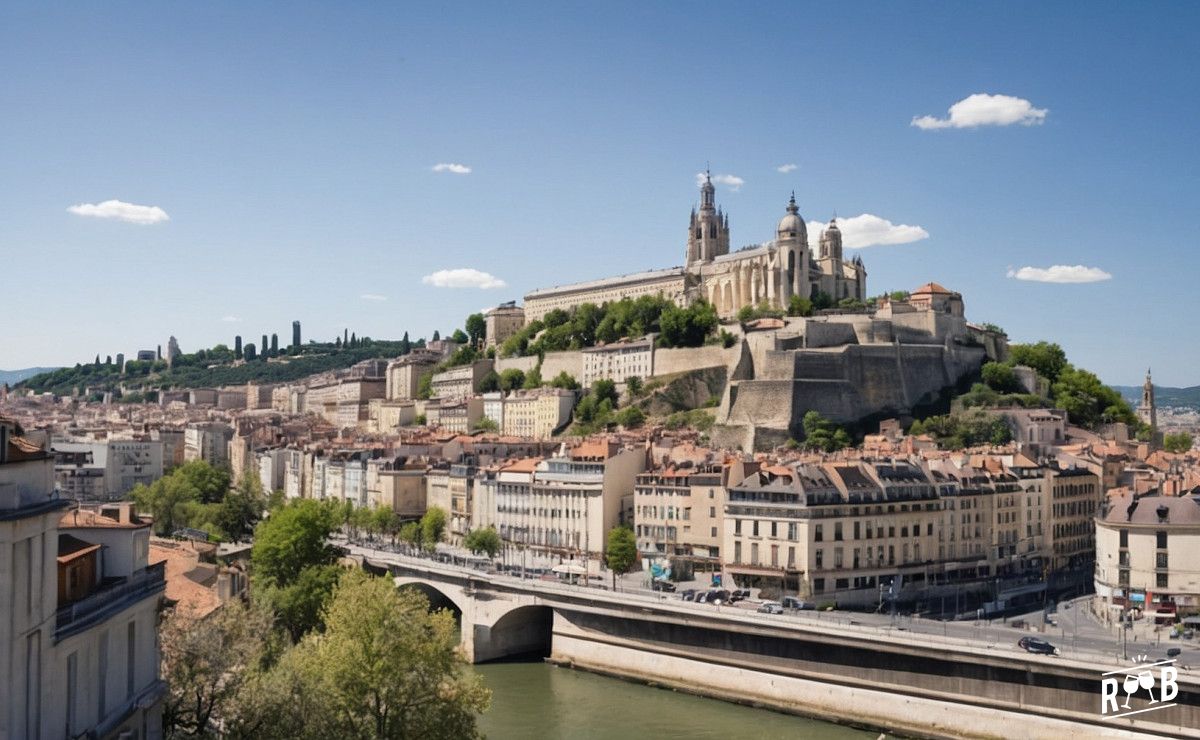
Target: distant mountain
pixel 1163 396
pixel 16 376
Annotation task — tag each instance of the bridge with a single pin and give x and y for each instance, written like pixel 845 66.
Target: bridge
pixel 920 684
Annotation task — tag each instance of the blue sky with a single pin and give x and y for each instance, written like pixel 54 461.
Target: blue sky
pixel 292 148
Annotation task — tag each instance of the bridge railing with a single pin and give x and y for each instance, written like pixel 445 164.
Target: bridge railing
pixel 912 631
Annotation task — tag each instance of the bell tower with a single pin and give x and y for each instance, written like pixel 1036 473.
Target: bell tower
pixel 708 231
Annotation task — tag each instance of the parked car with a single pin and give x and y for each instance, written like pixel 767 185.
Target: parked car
pixel 1173 652
pixel 1035 645
pixel 771 607
pixel 688 594
pixel 661 585
pixel 715 596
pixel 791 602
pixel 740 594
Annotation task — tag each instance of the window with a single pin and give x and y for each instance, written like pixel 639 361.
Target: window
pixel 737 526
pixel 1161 538
pixel 755 524
pixel 818 558
pixel 837 531
pixel 1123 577
pixel 818 585
pixel 1161 580
pixel 1160 560
pixel 837 557
pixel 130 659
pixel 713 533
pixel 737 552
pixel 818 533
pixel 791 557
pixel 72 692
pixel 856 531
pixel 102 676
pixel 712 512
pixel 754 553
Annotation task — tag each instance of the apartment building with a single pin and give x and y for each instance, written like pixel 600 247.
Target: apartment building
pixel 618 361
pixel 78 639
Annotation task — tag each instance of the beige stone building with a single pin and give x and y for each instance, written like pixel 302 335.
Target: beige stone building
pixel 679 511
pixel 766 273
pixel 502 322
pixel 564 506
pixel 538 413
pixel 460 415
pixel 460 382
pixel 404 374
pixel 1146 550
pixel 344 402
pixel 618 361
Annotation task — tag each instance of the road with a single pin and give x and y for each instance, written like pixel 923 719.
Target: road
pixel 1075 631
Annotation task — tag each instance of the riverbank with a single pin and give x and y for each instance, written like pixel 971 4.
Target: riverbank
pixel 541 700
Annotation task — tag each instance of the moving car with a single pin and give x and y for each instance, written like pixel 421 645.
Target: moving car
pixel 688 594
pixel 664 586
pixel 1035 645
pixel 791 602
pixel 771 607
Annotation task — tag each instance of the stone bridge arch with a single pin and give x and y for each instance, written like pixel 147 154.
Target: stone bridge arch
pixel 492 625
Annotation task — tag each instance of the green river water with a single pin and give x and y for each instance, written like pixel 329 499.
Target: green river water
pixel 538 700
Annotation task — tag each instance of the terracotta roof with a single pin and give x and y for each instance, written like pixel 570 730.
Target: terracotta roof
pixel 932 288
pixel 21 449
pixel 524 465
pixel 92 519
pixel 191 599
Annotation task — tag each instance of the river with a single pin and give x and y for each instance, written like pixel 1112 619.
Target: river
pixel 539 700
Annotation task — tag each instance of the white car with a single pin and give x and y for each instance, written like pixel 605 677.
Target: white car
pixel 771 607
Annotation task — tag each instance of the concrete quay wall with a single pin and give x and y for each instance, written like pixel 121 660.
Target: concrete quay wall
pixel 938 697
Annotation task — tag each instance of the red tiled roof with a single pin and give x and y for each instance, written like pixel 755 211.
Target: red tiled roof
pixel 932 288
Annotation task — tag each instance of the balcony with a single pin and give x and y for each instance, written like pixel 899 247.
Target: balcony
pixel 108 600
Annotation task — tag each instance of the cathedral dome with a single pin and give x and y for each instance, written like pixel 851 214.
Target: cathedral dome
pixel 791 224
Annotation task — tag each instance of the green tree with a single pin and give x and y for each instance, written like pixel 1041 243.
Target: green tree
pixel 405 344
pixel 437 337
pixel 511 379
pixel 799 306
pixel 1000 377
pixel 533 379
pixel 821 301
pixel 241 509
pixel 211 483
pixel 410 534
pixel 605 389
pixel 485 540
pixel 687 327
pixel 565 381
pixel 425 386
pixel 630 417
pixel 292 539
pixel 206 664
pixel 476 326
pixel 459 336
pixel 1046 358
pixel 385 667
pixel 298 605
pixel 490 382
pixel 433 526
pixel 1178 442
pixel 486 424
pixel 621 553
pixel 1087 401
pixel 633 384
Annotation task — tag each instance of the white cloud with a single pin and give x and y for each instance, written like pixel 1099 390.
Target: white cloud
pixel 122 211
pixel 982 109
pixel 230 319
pixel 463 277
pixel 733 182
pixel 786 168
pixel 867 230
pixel 1061 274
pixel 458 169
pixel 373 297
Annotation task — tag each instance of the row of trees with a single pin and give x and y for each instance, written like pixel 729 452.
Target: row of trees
pixel 589 324
pixel 361 658
pixel 1089 402
pixel 197 495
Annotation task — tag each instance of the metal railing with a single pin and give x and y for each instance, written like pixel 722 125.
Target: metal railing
pixel 108 600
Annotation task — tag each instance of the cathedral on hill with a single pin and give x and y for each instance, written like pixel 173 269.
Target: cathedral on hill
pixel 769 273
